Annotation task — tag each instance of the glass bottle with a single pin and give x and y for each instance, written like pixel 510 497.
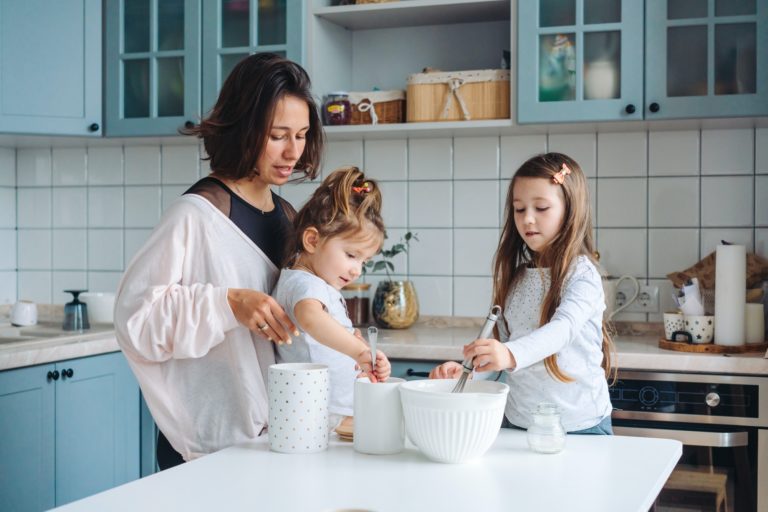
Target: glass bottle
pixel 336 109
pixel 546 434
pixel 356 295
pixel 76 313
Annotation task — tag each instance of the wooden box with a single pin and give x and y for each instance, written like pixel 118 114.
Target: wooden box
pixel 377 107
pixel 458 95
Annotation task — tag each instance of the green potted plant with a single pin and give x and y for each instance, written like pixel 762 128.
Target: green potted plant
pixel 395 304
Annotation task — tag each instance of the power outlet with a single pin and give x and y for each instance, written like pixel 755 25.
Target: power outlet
pixel 647 299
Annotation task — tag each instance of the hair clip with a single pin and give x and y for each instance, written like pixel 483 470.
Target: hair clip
pixel 560 175
pixel 366 187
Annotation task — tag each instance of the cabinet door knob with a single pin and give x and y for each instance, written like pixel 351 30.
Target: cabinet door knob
pixel 93 127
pixel 68 373
pixel 189 125
pixel 654 107
pixel 629 109
pixel 410 372
pixel 54 375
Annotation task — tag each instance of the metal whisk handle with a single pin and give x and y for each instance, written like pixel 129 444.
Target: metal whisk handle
pixel 490 321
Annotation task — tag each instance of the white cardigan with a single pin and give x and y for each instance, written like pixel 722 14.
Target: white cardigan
pixel 203 375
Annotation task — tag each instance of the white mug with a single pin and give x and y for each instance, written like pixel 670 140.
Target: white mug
pixel 610 288
pixel 24 313
pixel 379 428
pixel 298 407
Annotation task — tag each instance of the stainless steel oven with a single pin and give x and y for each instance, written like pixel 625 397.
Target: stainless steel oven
pixel 721 420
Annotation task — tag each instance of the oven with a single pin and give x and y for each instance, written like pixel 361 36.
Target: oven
pixel 722 421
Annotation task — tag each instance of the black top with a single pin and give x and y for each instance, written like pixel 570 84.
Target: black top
pixel 268 230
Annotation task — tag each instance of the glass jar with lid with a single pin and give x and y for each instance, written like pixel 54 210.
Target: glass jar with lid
pixel 337 109
pixel 357 297
pixel 546 434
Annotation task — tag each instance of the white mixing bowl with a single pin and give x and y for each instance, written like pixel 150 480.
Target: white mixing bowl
pixel 453 427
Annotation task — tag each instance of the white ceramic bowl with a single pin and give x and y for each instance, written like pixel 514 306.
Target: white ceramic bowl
pixel 101 306
pixel 453 427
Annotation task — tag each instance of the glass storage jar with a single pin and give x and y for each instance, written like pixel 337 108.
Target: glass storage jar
pixel 356 295
pixel 336 108
pixel 546 434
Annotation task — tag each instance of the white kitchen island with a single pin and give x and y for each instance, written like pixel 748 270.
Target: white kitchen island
pixel 592 473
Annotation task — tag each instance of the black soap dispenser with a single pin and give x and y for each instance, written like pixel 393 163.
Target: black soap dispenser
pixel 76 313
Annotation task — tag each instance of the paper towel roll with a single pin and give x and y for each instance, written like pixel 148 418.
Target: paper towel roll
pixel 730 294
pixel 754 322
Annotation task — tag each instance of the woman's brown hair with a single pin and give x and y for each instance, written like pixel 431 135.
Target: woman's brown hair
pixel 346 202
pixel 235 131
pixel 573 240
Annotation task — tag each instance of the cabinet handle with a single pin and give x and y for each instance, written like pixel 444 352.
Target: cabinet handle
pixel 629 109
pixel 54 375
pixel 410 372
pixel 654 107
pixel 93 127
pixel 68 373
pixel 189 125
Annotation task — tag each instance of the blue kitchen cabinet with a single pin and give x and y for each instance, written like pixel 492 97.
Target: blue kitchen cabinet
pixel 152 80
pixel 234 29
pixel 67 430
pixel 50 67
pixel 589 60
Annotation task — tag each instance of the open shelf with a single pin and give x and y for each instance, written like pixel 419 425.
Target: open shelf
pixel 420 130
pixel 414 13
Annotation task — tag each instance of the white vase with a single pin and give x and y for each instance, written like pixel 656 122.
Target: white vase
pixel 601 80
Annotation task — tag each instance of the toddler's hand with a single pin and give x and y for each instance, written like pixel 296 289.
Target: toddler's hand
pixel 383 368
pixel 489 355
pixel 449 370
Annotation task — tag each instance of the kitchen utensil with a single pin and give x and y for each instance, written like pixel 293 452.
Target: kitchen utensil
pixel 378 425
pixel 24 313
pixel 453 427
pixel 76 313
pixel 373 333
pixel 490 320
pixel 298 407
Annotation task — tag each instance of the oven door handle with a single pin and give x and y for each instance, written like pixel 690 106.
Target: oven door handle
pixel 688 437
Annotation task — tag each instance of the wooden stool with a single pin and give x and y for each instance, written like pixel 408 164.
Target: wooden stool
pixel 683 480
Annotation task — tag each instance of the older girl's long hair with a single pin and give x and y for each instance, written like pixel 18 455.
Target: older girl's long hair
pixel 573 240
pixel 345 203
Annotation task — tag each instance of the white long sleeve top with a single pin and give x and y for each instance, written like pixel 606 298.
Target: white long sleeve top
pixel 574 333
pixel 203 375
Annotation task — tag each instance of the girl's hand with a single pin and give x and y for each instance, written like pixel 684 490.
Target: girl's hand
pixel 489 355
pixel 261 313
pixel 449 370
pixel 383 368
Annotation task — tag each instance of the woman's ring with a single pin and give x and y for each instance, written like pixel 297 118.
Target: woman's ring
pixel 263 327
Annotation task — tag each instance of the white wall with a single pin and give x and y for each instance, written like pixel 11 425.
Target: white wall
pixel 73 217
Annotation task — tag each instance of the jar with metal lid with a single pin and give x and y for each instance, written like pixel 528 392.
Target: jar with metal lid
pixel 337 109
pixel 357 297
pixel 546 434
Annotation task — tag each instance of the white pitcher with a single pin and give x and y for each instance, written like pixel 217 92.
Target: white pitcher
pixel 610 287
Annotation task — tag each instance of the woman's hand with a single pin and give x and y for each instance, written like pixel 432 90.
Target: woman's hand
pixel 261 313
pixel 489 355
pixel 449 370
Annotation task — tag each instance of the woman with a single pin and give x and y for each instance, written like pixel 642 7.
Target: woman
pixel 193 314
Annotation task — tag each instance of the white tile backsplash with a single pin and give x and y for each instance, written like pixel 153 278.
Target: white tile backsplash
pixel 656 211
pixel 673 153
pixel 67 280
pixel 728 151
pixel 342 154
pixel 475 158
pixel 622 154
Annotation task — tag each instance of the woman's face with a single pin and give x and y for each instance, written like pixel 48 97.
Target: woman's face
pixel 285 141
pixel 539 208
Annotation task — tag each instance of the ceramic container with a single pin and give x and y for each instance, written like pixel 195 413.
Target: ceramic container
pixel 24 313
pixel 673 322
pixel 378 428
pixel 453 427
pixel 101 306
pixel 701 328
pixel 298 407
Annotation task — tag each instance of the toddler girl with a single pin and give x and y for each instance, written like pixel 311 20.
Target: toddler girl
pixel 554 345
pixel 336 232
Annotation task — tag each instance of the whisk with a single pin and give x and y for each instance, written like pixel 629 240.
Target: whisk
pixel 490 320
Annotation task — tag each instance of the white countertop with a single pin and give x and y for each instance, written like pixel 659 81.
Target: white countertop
pixel 592 473
pixel 435 341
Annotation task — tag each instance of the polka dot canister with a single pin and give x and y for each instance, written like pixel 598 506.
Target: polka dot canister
pixel 298 407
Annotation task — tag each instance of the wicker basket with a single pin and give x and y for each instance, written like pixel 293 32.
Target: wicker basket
pixel 458 95
pixel 377 107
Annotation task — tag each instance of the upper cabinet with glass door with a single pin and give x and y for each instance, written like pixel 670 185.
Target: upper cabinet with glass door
pixel 706 58
pixel 591 60
pixel 152 66
pixel 580 60
pixel 234 29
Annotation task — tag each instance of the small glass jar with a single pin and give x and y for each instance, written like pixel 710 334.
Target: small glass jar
pixel 336 109
pixel 357 297
pixel 546 434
